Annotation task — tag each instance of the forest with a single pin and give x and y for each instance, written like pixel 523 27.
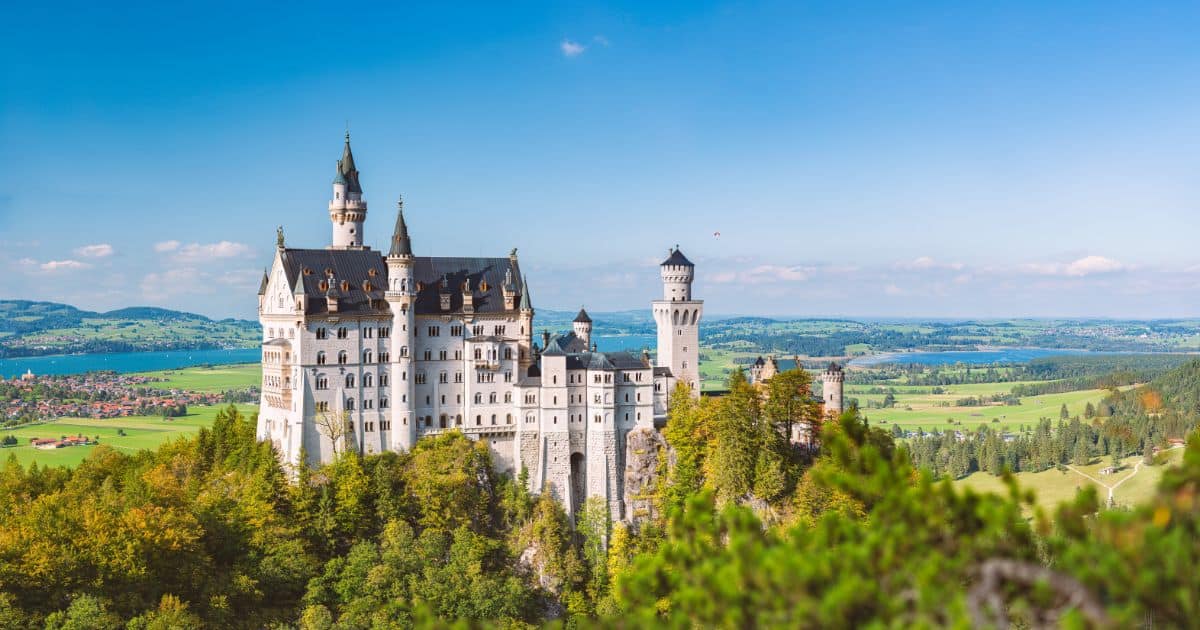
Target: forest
pixel 744 530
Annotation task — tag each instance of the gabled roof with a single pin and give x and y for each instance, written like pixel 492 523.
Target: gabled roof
pixel 262 287
pixel 486 277
pixel 352 266
pixel 677 259
pixel 568 343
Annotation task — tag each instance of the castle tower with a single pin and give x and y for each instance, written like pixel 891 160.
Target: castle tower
pixel 401 296
pixel 583 327
pixel 832 381
pixel 525 345
pixel 347 209
pixel 677 317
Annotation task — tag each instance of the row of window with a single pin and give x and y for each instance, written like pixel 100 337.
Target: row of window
pixel 444 420
pixel 343 357
pixel 344 333
pixel 477 330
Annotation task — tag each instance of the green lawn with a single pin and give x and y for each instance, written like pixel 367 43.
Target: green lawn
pixel 141 432
pixel 926 410
pixel 209 378
pixel 1052 487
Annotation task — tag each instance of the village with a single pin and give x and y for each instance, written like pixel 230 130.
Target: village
pixel 36 398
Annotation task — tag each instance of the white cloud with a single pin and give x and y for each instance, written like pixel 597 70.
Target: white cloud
pixel 600 39
pixel 166 246
pixel 571 49
pixel 158 287
pixel 925 263
pixel 200 252
pixel 763 274
pixel 892 289
pixel 1086 266
pixel 63 265
pixel 98 250
pixel 1093 264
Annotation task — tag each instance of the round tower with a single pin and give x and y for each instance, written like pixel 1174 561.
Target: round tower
pixel 347 209
pixel 677 318
pixel 583 327
pixel 401 297
pixel 677 275
pixel 832 382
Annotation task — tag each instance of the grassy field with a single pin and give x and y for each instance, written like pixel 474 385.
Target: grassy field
pixel 1052 487
pixel 918 408
pixel 141 432
pixel 210 379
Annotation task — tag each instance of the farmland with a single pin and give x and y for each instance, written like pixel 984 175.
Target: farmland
pixel 140 432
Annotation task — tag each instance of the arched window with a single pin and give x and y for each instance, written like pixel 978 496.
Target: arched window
pixel 369 380
pixel 349 380
pixel 508 418
pixel 508 353
pixel 478 398
pixel 341 333
pixel 492 399
pixel 404 351
pixel 493 419
pixel 458 420
pixel 320 358
pixel 507 397
pixel 322 333
pixel 342 357
pixel 478 420
pixel 442 421
pixel 366 356
pixel 349 404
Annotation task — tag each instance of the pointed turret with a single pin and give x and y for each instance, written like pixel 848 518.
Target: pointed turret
pixel 347 209
pixel 526 303
pixel 262 287
pixel 346 168
pixel 401 244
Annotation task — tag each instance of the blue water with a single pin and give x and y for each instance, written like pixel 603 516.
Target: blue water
pixel 148 361
pixel 631 343
pixel 967 357
pixel 125 361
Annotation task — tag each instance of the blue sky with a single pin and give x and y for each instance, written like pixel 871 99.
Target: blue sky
pixel 901 159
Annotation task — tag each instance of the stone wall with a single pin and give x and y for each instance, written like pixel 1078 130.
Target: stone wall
pixel 643 448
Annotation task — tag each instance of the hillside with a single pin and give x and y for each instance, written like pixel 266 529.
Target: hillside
pixel 38 328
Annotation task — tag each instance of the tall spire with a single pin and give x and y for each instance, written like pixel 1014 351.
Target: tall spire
pixel 526 303
pixel 346 168
pixel 401 244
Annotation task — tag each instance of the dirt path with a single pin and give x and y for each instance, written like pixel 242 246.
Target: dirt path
pixel 1136 468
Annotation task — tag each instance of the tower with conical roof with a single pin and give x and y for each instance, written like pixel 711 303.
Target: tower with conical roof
pixel 583 327
pixel 347 209
pixel 677 317
pixel 401 296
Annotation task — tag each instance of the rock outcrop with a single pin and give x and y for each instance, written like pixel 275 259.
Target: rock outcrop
pixel 643 449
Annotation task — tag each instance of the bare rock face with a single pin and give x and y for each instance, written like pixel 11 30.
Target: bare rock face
pixel 643 448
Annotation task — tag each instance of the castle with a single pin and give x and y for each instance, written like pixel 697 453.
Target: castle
pixel 370 351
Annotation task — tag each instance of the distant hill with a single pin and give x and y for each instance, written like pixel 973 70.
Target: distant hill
pixel 29 328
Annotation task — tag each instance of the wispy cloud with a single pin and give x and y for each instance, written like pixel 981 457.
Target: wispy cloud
pixel 63 265
pixel 166 246
pixel 571 49
pixel 1086 266
pixel 763 274
pixel 200 252
pixel 97 250
pixel 926 263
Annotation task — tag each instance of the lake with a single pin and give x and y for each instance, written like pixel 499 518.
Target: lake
pixel 148 361
pixel 125 361
pixel 967 357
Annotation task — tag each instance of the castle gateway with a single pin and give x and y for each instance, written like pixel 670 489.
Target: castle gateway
pixel 371 351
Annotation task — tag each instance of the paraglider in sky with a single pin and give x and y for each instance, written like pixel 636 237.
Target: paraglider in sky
pixel 716 235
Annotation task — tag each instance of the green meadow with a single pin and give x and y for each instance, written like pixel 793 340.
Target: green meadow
pixel 141 432
pixel 917 407
pixel 1052 487
pixel 209 378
